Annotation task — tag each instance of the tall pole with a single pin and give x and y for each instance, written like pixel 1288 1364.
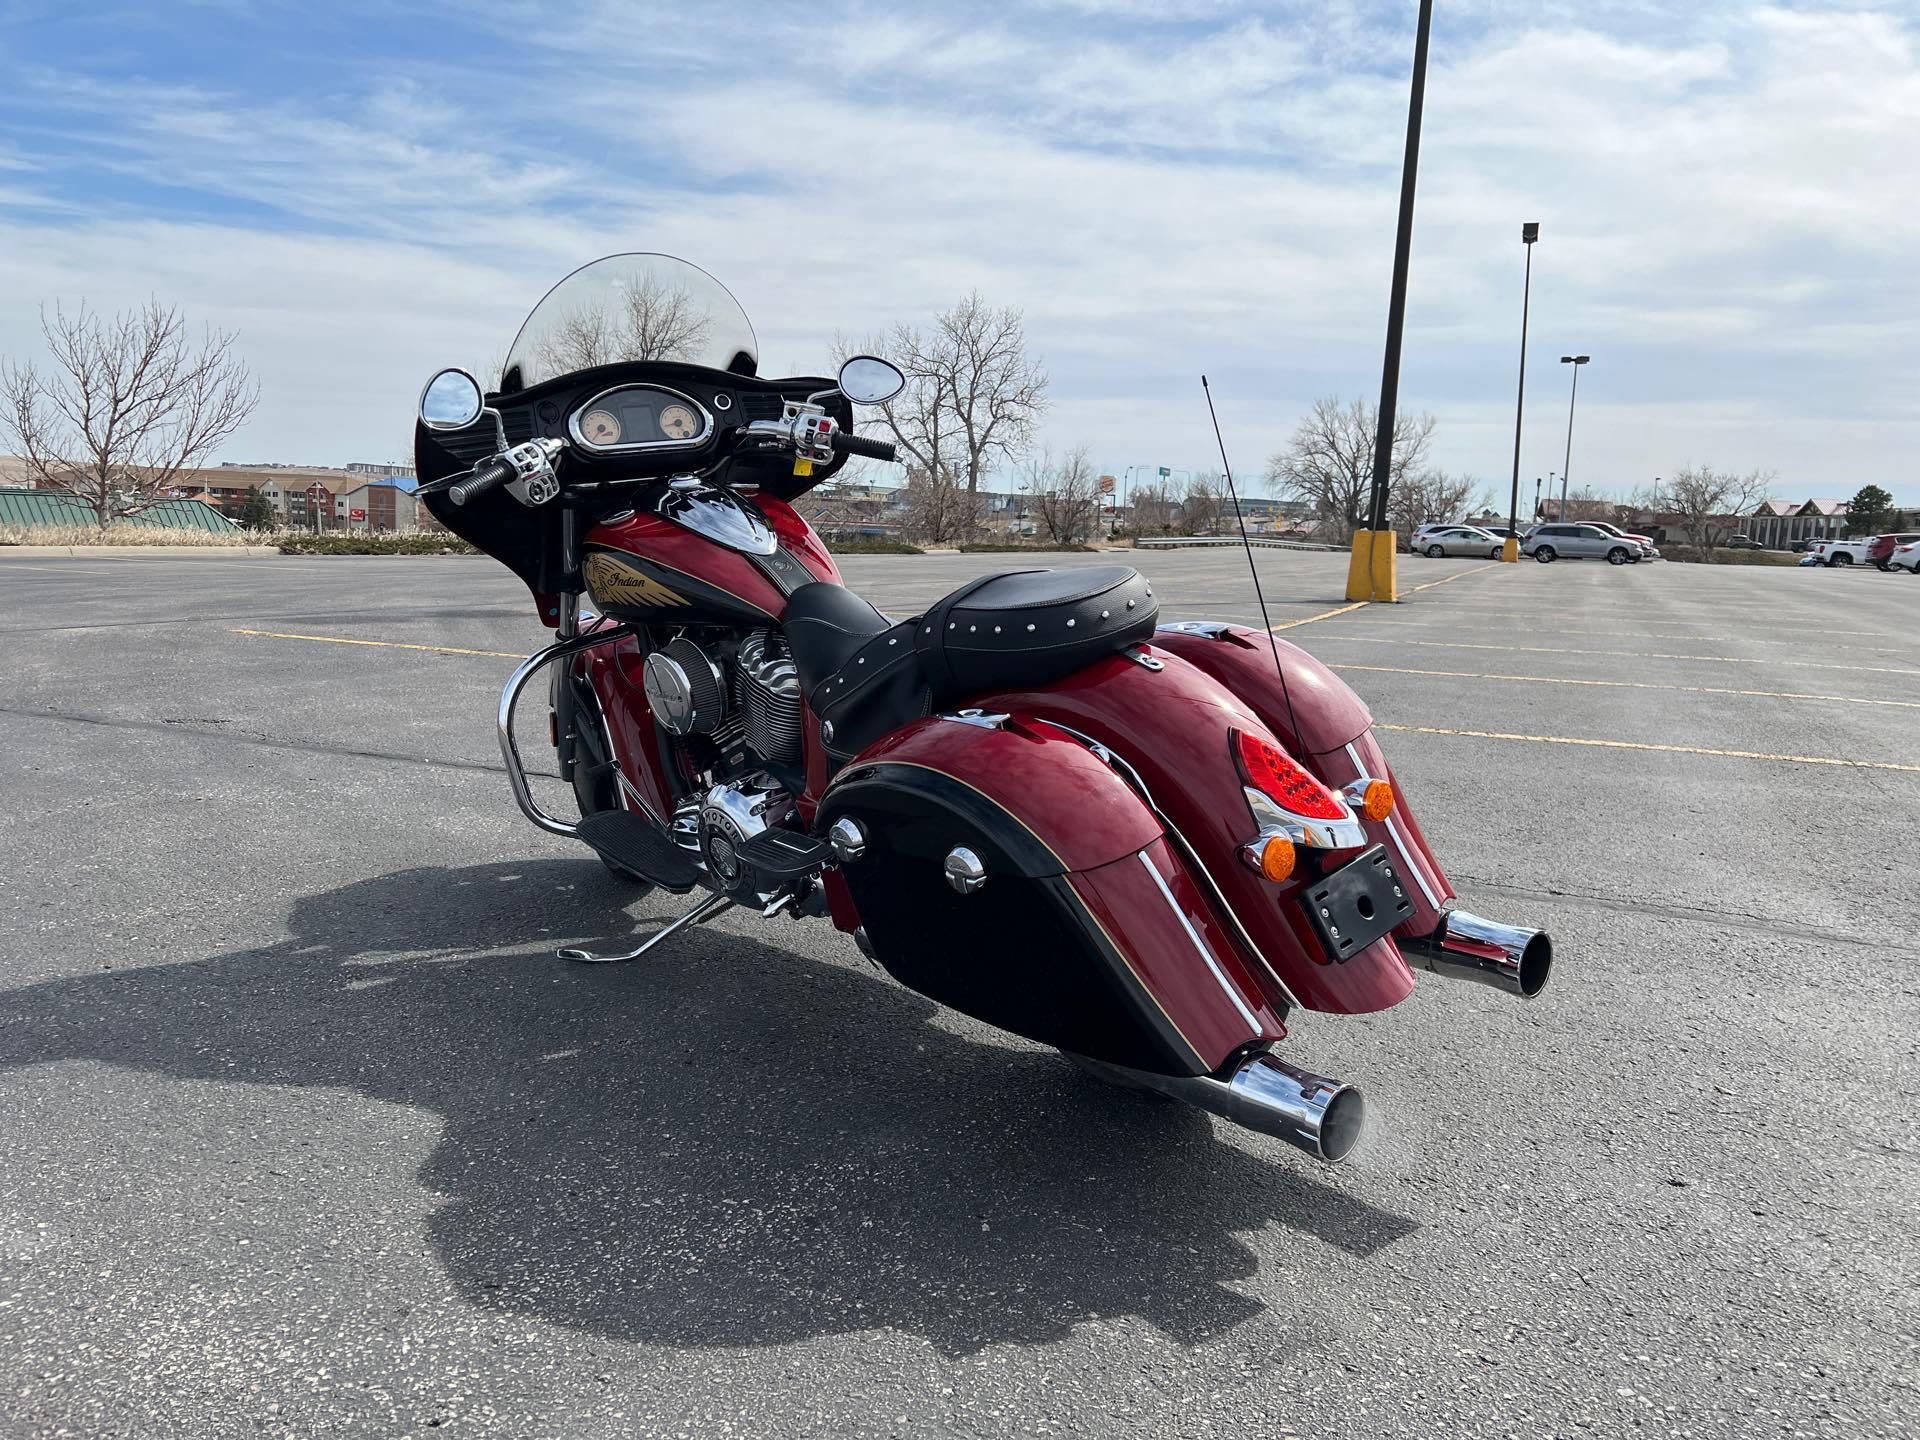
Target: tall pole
pixel 1529 232
pixel 1379 572
pixel 1576 361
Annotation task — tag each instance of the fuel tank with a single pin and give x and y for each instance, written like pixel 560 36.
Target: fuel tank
pixel 702 561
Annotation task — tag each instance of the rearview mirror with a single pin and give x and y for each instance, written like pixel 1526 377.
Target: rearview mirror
pixel 868 380
pixel 451 401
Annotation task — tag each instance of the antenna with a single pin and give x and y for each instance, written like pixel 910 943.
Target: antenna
pixel 1273 642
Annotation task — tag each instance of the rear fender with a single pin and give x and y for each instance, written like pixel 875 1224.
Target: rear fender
pixel 1089 933
pixel 1327 728
pixel 1171 726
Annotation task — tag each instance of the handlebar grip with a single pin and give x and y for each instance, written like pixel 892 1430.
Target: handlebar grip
pixel 490 476
pixel 849 444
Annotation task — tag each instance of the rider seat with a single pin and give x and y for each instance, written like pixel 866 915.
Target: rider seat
pixel 864 675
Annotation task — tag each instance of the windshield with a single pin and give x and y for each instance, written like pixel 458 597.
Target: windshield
pixel 631 307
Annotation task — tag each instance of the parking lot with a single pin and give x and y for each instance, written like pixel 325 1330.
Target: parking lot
pixel 303 1131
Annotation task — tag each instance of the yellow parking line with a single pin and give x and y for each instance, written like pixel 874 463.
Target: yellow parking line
pixel 1460 575
pixel 1629 685
pixel 380 644
pixel 1363 604
pixel 1627 654
pixel 1396 624
pixel 1640 745
pixel 1323 615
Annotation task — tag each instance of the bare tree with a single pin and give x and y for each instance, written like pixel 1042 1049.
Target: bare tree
pixel 1066 496
pixel 1712 504
pixel 1429 495
pixel 1329 461
pixel 1204 506
pixel 1151 506
pixel 128 405
pixel 973 395
pixel 938 512
pixel 655 320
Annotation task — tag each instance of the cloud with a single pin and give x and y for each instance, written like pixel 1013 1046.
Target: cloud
pixel 1725 193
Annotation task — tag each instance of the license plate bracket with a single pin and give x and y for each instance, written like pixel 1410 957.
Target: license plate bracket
pixel 1357 904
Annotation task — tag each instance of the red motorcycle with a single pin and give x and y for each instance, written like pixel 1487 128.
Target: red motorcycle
pixel 1145 844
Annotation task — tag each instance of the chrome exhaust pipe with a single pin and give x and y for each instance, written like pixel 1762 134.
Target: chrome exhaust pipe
pixel 1472 947
pixel 1322 1117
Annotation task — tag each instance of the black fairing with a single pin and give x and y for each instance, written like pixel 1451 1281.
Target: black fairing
pixel 1021 953
pixel 528 541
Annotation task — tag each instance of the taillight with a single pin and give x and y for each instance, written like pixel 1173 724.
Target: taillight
pixel 1272 772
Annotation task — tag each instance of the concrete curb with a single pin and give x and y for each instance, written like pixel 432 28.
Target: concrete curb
pixel 82 552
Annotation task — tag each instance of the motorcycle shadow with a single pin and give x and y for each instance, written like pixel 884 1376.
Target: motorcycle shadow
pixel 724 1143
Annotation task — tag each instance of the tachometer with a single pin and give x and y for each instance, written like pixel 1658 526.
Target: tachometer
pixel 679 423
pixel 600 427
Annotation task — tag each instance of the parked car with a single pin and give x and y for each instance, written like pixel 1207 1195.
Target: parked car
pixel 1800 547
pixel 1460 540
pixel 1645 542
pixel 1844 552
pixel 1809 559
pixel 1906 557
pixel 1585 541
pixel 1743 542
pixel 1880 552
pixel 1499 532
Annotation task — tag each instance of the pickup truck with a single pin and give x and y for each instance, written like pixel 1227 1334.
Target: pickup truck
pixel 1843 552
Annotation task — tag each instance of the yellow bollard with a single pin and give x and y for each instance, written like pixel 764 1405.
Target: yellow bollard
pixel 1510 552
pixel 1373 568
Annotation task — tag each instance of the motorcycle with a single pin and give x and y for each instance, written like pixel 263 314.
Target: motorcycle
pixel 1145 844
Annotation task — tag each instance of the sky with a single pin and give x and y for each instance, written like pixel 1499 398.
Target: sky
pixel 1726 194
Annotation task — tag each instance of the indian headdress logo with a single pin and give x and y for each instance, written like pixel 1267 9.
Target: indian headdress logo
pixel 615 582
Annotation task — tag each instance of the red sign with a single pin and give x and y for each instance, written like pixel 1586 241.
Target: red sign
pixel 356 514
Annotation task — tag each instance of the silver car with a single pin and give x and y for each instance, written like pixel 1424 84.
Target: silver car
pixel 1458 540
pixel 1580 542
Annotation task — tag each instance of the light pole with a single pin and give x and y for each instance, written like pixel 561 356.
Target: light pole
pixel 1576 361
pixel 1536 499
pixel 1371 570
pixel 1510 552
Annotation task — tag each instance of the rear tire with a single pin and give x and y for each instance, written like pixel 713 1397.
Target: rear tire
pixel 1843 558
pixel 1885 567
pixel 1544 555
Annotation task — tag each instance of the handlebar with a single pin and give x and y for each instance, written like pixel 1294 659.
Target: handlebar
pixel 489 476
pixel 847 443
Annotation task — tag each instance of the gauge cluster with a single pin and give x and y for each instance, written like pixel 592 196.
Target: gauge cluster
pixel 640 417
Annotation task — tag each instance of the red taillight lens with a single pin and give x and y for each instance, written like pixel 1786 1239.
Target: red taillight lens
pixel 1272 772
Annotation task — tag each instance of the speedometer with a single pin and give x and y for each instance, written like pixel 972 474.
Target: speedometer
pixel 677 422
pixel 600 427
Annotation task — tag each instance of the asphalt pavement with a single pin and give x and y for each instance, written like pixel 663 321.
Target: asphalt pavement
pixel 304 1132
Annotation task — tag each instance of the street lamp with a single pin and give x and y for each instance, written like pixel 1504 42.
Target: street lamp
pixel 1529 232
pixel 1536 499
pixel 1576 361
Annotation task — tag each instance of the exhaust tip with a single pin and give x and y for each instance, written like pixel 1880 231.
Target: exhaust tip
pixel 1536 964
pixel 1342 1125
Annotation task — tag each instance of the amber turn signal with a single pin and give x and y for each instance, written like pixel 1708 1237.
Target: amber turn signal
pixel 1276 858
pixel 1377 802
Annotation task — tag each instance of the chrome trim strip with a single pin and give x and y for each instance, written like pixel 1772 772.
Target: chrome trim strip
pixel 1408 860
pixel 1132 777
pixel 1200 945
pixel 636 446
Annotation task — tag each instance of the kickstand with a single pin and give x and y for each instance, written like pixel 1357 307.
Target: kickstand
pixel 699 915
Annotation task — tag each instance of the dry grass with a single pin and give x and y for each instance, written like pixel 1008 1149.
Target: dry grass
pixel 126 535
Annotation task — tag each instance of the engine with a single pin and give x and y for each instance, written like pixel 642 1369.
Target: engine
pixel 736 706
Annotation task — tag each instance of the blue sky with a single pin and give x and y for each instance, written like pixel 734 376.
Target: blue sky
pixel 367 192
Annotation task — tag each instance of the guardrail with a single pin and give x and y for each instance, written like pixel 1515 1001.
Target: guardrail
pixel 1157 542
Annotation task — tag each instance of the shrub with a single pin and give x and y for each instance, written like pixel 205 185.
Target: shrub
pixel 1721 555
pixel 997 547
pixel 121 535
pixel 874 547
pixel 296 543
